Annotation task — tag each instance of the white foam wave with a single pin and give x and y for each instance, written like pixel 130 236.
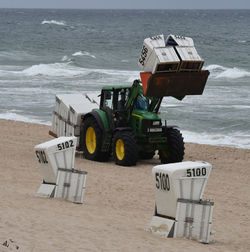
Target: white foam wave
pixel 65 58
pixel 219 72
pixel 214 67
pixel 22 118
pixel 53 22
pixel 65 69
pixel 242 41
pixel 233 73
pixel 53 70
pixel 171 105
pixel 84 53
pixel 236 140
pixel 240 106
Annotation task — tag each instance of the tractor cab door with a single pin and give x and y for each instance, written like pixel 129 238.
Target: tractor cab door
pixel 121 99
pixel 106 100
pixel 106 105
pixel 113 102
pixel 120 111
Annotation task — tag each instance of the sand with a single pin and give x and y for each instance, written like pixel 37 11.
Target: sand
pixel 119 201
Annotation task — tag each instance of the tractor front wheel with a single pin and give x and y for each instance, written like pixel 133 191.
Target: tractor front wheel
pixel 92 141
pixel 175 149
pixel 125 148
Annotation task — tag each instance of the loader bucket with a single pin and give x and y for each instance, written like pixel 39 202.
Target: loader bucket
pixel 176 84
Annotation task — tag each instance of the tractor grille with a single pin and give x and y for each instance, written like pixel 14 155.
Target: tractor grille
pixel 151 126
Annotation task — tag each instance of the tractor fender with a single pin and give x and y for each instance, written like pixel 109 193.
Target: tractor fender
pixel 97 118
pixel 99 121
pixel 169 127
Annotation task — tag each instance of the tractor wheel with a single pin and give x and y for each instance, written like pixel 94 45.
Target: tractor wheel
pixel 146 155
pixel 92 141
pixel 125 148
pixel 175 150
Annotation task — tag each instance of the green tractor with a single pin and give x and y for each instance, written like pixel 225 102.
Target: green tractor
pixel 128 126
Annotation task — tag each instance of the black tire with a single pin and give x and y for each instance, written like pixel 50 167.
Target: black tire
pixel 175 149
pixel 92 151
pixel 146 155
pixel 127 142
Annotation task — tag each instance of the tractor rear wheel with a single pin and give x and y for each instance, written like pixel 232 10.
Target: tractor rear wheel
pixel 92 141
pixel 175 150
pixel 125 148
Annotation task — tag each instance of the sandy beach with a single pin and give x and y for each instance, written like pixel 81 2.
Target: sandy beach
pixel 119 201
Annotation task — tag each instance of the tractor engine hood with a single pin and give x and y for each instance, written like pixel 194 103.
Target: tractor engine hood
pixel 145 115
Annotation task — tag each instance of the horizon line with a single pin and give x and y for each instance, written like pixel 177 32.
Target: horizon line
pixel 65 8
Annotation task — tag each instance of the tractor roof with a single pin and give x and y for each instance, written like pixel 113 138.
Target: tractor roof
pixel 115 87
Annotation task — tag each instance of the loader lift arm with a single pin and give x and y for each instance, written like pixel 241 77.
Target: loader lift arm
pixel 137 90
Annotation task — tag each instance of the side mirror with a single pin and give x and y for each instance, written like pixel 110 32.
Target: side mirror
pixel 107 95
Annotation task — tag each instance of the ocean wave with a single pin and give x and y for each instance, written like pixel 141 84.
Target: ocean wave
pixel 53 22
pixel 243 41
pixel 53 70
pixel 22 118
pixel 66 69
pixel 84 53
pixel 221 72
pixel 65 58
pixel 240 106
pixel 7 71
pixel 164 105
pixel 236 140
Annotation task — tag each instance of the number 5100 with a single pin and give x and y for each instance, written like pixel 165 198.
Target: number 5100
pixel 162 181
pixel 196 172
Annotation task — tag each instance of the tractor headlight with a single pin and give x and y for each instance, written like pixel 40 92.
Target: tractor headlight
pixel 156 123
pixel 153 130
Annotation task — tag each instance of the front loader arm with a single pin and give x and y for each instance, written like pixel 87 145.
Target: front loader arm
pixel 136 89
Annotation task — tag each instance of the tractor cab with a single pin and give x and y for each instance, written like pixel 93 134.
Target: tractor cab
pixel 114 102
pixel 114 98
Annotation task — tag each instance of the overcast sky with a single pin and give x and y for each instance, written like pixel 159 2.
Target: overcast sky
pixel 127 4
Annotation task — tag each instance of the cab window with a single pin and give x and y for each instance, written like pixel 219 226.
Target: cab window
pixel 123 95
pixel 141 103
pixel 107 99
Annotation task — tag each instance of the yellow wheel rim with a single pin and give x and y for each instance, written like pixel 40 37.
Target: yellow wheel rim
pixel 119 149
pixel 91 140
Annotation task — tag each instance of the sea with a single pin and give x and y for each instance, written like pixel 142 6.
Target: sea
pixel 44 52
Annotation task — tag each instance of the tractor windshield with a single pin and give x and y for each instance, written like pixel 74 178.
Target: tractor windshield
pixel 141 103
